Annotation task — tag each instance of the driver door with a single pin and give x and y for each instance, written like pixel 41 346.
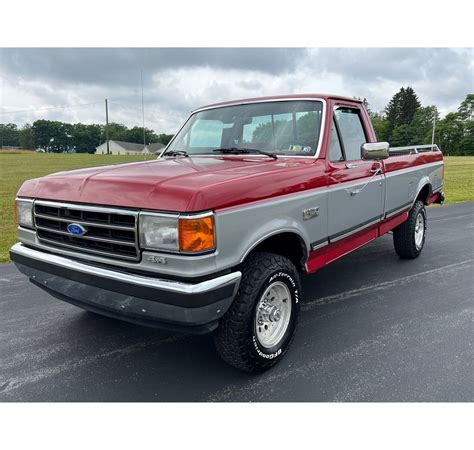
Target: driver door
pixel 356 187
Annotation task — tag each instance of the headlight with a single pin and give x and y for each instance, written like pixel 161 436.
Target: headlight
pixel 159 232
pixel 187 234
pixel 24 212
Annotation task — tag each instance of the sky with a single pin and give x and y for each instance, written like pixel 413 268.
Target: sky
pixel 178 80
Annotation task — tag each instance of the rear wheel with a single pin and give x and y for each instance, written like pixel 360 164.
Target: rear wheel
pixel 409 237
pixel 258 329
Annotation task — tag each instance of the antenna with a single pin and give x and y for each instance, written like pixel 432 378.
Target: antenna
pixel 143 110
pixel 434 126
pixel 107 125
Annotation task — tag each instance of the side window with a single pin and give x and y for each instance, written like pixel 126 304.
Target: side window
pixel 352 131
pixel 335 150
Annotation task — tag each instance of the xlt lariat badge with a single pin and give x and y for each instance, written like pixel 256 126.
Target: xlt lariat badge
pixel 310 213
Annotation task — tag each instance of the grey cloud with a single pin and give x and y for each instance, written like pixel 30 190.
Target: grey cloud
pixel 121 65
pixel 372 64
pixel 180 79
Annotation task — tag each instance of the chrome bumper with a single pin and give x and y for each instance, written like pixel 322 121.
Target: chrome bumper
pixel 136 298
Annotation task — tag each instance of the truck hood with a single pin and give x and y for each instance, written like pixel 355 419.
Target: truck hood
pixel 174 184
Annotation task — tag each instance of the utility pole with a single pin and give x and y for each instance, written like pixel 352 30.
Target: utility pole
pixel 107 125
pixel 434 126
pixel 143 110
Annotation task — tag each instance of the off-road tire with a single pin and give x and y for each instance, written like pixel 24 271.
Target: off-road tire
pixel 235 338
pixel 404 234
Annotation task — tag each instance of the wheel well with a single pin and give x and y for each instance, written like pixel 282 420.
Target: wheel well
pixel 425 194
pixel 289 245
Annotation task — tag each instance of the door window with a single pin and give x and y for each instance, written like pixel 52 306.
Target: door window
pixel 351 131
pixel 335 150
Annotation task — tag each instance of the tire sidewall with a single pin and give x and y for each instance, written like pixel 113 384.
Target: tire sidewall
pixel 274 353
pixel 420 210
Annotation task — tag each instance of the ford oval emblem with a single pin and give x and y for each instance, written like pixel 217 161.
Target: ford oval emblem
pixel 76 229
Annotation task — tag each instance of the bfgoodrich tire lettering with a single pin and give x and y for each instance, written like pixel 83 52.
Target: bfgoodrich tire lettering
pixel 236 339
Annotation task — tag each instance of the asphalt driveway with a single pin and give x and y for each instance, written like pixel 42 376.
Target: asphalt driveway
pixel 372 328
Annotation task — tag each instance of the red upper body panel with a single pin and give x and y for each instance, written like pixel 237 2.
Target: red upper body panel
pixel 180 184
pixel 201 183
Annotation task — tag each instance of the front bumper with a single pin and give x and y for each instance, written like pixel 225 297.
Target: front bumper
pixel 150 301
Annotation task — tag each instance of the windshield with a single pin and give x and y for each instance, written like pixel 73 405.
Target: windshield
pixel 288 128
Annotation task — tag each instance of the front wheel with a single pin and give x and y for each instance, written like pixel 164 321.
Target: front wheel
pixel 409 237
pixel 258 329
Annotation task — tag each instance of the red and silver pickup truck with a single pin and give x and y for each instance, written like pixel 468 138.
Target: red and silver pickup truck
pixel 214 235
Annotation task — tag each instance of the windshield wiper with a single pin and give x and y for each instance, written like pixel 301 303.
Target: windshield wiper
pixel 176 153
pixel 243 151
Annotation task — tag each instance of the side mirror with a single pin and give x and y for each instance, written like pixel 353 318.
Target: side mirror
pixel 375 150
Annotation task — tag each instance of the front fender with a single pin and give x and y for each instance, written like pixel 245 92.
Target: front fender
pixel 240 230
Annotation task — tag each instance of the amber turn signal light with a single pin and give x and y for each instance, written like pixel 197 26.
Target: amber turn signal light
pixel 196 235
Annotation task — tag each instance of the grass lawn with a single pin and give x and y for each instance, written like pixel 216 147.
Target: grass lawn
pixel 16 168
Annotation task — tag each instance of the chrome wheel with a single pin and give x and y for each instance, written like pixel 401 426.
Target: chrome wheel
pixel 273 314
pixel 419 230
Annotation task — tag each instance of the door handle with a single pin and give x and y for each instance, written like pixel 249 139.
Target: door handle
pixel 376 168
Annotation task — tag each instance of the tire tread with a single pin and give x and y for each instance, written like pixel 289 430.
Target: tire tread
pixel 231 339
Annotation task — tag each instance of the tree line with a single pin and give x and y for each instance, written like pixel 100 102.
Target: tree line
pixel 57 137
pixel 406 122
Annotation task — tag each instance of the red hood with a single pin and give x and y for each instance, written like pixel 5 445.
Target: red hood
pixel 181 184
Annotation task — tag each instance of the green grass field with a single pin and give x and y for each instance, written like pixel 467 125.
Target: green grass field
pixel 16 168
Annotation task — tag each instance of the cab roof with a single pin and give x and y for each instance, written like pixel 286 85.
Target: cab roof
pixel 280 97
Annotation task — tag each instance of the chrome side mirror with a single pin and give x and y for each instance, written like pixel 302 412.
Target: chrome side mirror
pixel 375 150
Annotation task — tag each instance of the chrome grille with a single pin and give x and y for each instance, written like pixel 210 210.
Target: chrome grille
pixel 110 232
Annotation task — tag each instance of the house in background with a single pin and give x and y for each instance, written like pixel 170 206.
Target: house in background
pixel 155 148
pixel 119 148
pixel 128 148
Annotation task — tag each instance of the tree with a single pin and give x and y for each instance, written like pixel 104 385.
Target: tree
pixel 27 138
pixel 422 125
pixel 392 110
pixel 117 132
pixel 86 137
pixel 42 133
pixel 53 136
pixel 401 136
pixel 9 135
pixel 449 133
pixel 135 135
pixel 164 138
pixel 381 128
pixel 402 108
pixel 466 109
pixel 409 104
pixel 455 133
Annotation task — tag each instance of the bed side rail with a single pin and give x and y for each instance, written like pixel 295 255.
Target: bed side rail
pixel 412 149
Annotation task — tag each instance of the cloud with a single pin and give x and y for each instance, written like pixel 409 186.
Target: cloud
pixel 177 80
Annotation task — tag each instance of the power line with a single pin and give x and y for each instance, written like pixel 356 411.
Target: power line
pixel 50 108
pixel 137 108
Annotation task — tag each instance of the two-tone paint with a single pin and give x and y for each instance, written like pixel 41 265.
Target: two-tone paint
pixel 255 198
